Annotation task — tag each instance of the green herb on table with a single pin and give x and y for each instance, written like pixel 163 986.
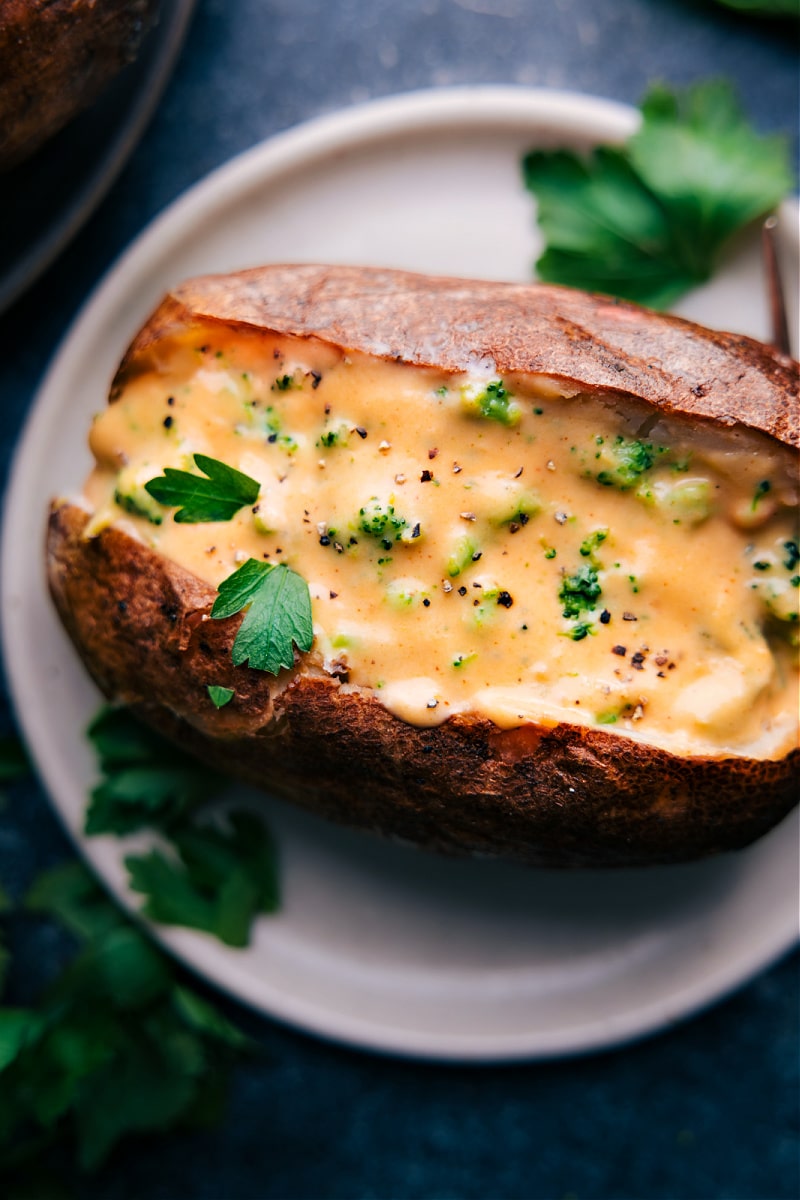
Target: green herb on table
pixel 650 220
pixel 764 8
pixel 5 959
pixel 117 1045
pixel 277 608
pixel 146 782
pixel 216 870
pixel 14 762
pixel 216 495
pixel 217 881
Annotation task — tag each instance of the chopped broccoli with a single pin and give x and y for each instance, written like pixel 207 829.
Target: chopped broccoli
pixel 591 543
pixel 579 592
pixel 623 462
pixel 130 495
pixel 462 554
pixel 760 492
pixel 495 403
pixel 520 508
pixel 333 435
pixel 689 500
pixel 380 521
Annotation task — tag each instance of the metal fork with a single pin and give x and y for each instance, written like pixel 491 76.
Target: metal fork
pixel 775 292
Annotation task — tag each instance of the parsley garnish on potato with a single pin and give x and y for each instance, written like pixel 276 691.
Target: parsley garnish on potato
pixel 219 696
pixel 216 495
pixel 277 608
pixel 649 220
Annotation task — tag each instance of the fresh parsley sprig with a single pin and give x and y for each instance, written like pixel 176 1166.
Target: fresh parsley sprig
pixel 117 1045
pixel 222 876
pixel 216 870
pixel 216 495
pixel 765 8
pixel 5 957
pixel 650 220
pixel 146 782
pixel 278 616
pixel 14 762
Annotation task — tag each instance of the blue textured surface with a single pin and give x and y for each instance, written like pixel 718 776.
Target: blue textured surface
pixel 707 1110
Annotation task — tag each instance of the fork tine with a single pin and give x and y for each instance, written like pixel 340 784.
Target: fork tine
pixel 775 293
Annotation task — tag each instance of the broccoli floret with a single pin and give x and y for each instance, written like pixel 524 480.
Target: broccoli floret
pixel 462 554
pixel 380 521
pixel 131 497
pixel 624 463
pixel 579 592
pixel 520 508
pixel 495 403
pixel 592 543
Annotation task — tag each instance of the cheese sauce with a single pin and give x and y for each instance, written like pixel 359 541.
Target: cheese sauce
pixel 480 545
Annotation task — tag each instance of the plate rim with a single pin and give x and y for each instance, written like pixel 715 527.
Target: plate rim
pixel 420 110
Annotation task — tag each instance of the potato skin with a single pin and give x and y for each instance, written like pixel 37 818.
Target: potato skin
pixel 56 56
pixel 564 796
pixel 599 343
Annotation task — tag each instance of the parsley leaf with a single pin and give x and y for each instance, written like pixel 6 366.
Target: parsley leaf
pixel 278 614
pixel 69 895
pixel 219 696
pixel 221 878
pixel 5 904
pixel 215 498
pixel 648 221
pixel 117 1045
pixel 766 8
pixel 217 877
pixel 146 781
pixel 14 762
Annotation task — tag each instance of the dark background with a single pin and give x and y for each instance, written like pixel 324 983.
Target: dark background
pixel 709 1109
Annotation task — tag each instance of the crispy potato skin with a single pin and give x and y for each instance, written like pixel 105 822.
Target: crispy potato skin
pixel 568 796
pixel 598 343
pixel 56 56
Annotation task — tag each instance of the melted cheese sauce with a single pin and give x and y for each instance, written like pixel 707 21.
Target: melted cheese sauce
pixel 485 546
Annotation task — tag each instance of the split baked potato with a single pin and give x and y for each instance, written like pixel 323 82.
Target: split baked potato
pixel 56 57
pixel 491 568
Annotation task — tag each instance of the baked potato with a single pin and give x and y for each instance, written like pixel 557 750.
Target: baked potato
pixel 491 568
pixel 56 57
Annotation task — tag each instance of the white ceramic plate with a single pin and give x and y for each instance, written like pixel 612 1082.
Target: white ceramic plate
pixel 46 199
pixel 378 945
